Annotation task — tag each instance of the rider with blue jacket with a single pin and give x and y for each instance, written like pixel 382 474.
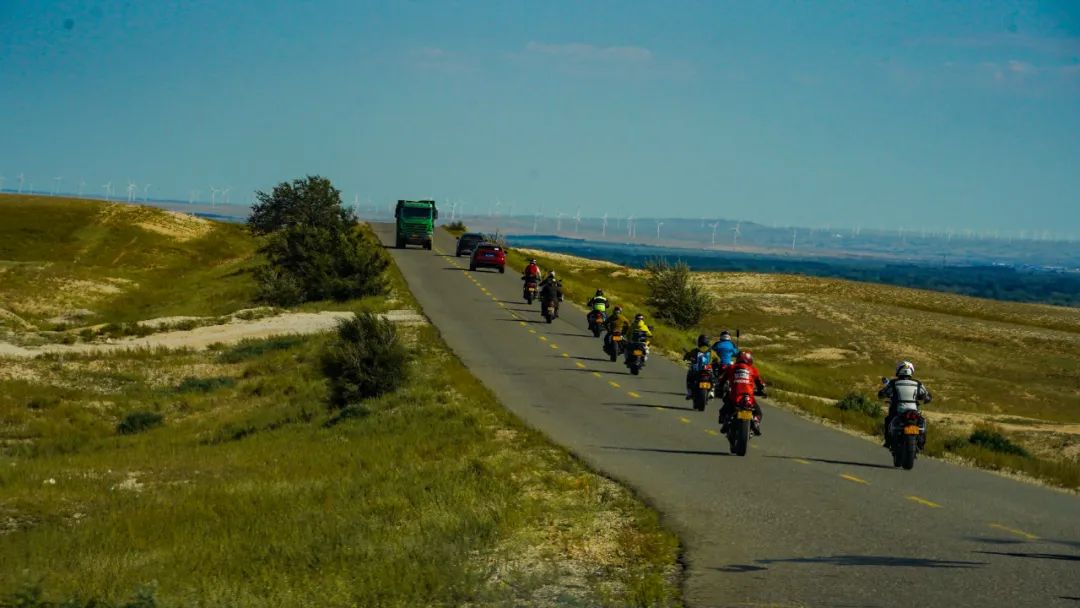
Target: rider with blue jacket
pixel 725 349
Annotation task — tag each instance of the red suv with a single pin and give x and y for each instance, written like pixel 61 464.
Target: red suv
pixel 488 255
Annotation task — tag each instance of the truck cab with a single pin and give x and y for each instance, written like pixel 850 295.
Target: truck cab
pixel 415 221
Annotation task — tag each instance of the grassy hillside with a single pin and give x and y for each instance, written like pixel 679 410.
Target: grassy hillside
pixel 249 491
pixel 816 340
pixel 73 262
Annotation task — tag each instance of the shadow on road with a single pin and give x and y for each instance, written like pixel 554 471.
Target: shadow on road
pixel 523 320
pixel 1054 556
pixel 738 568
pixel 578 369
pixel 596 359
pixel 875 560
pixel 666 451
pixel 455 268
pixel 671 393
pixel 653 405
pixel 851 463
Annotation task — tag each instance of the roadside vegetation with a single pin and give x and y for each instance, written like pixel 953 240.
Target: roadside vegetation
pixel 818 341
pixel 280 472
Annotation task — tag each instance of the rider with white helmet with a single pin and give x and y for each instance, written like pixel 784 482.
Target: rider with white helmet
pixel 904 393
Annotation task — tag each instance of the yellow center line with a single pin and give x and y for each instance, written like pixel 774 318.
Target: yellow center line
pixel 711 432
pixel 633 394
pixel 567 355
pixel 684 420
pixel 532 331
pixel 801 461
pixel 555 346
pixel 1027 535
pixel 597 374
pixel 579 364
pixel 613 384
pixel 853 478
pixel 544 338
pixel 521 323
pixel 924 502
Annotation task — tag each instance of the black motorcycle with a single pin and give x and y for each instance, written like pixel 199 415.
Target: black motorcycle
pixel 907 437
pixel 635 354
pixel 596 322
pixel 614 345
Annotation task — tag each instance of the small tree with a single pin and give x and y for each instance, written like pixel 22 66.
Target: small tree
pixel 366 360
pixel 675 295
pixel 311 263
pixel 312 201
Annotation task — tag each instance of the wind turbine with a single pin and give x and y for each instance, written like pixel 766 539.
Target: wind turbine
pixel 558 222
pixel 192 195
pixel 577 221
pixel 536 220
pixel 213 196
pixel 131 187
pixel 793 239
pixel 658 225
pixel 56 184
pixel 1 183
pixel 146 193
pixel 630 227
pixel 82 184
pixel 21 178
pixel 108 190
pixel 714 226
pixel 603 226
pixel 736 231
pixel 225 194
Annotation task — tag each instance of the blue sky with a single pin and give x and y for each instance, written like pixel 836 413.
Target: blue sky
pixel 963 115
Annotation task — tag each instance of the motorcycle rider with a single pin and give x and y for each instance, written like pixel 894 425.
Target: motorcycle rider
pixel 903 391
pixel 698 358
pixel 551 291
pixel 598 303
pixel 617 322
pixel 639 331
pixel 531 273
pixel 743 380
pixel 725 349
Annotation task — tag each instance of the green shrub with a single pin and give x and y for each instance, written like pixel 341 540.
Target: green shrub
pixel 312 263
pixel 856 402
pixel 87 334
pixel 995 442
pixel 312 201
pixel 139 421
pixel 457 227
pixel 675 295
pixel 278 287
pixel 249 349
pixel 204 385
pixel 366 360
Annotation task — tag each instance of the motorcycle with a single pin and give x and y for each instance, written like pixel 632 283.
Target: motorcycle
pixel 907 437
pixel 702 388
pixel 529 291
pixel 740 428
pixel 614 345
pixel 596 322
pixel 549 309
pixel 636 350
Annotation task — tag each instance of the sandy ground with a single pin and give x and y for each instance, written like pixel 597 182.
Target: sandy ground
pixel 201 337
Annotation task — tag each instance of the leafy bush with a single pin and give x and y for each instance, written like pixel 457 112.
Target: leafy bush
pixel 312 201
pixel 139 421
pixel 995 442
pixel 856 402
pixel 457 227
pixel 313 263
pixel 366 360
pixel 674 294
pixel 204 385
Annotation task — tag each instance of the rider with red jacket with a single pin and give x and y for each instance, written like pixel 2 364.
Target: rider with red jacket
pixel 532 272
pixel 743 381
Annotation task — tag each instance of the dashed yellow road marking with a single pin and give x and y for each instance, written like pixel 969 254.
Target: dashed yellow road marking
pixel 853 478
pixel 544 338
pixel 684 420
pixel 521 323
pixel 801 461
pixel 532 331
pixel 924 502
pixel 567 355
pixel 711 432
pixel 580 364
pixel 658 408
pixel 598 374
pixel 1027 535
pixel 555 346
pixel 613 384
pixel 633 394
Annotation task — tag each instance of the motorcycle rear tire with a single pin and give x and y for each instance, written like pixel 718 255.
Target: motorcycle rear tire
pixel 634 370
pixel 701 397
pixel 897 457
pixel 742 438
pixel 528 299
pixel 909 450
pixel 596 331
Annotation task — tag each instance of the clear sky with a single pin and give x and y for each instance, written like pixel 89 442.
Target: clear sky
pixel 953 114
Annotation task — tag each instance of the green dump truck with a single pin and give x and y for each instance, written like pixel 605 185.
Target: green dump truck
pixel 415 222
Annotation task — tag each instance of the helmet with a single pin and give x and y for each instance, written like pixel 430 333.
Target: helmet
pixel 532 261
pixel 905 368
pixel 551 273
pixel 617 309
pixel 745 357
pixel 725 335
pixel 599 292
pixel 639 317
pixel 703 340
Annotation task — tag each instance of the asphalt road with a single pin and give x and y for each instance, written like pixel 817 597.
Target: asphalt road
pixel 810 517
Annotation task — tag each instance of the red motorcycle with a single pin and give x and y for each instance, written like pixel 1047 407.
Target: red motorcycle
pixel 741 426
pixel 529 290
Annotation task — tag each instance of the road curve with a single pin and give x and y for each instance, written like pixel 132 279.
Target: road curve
pixel 810 517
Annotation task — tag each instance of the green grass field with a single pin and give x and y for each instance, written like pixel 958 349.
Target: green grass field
pixel 251 492
pixel 1013 365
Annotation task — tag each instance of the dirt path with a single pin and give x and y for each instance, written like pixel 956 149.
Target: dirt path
pixel 201 337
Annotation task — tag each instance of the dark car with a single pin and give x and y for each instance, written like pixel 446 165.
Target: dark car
pixel 467 242
pixel 488 255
